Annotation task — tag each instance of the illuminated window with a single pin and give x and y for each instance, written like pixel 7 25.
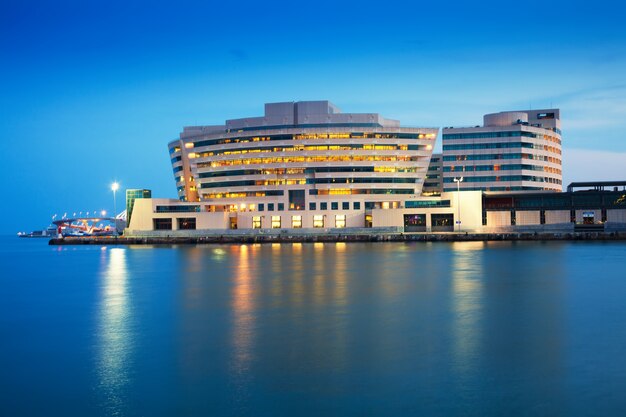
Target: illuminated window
pixel 318 220
pixel 256 222
pixel 189 145
pixel 187 223
pixel 340 220
pixel 296 222
pixel 368 220
pixel 275 222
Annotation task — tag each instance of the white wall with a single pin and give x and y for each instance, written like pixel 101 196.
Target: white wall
pixel 471 211
pixel 527 217
pixel 498 218
pixel 617 215
pixel 557 216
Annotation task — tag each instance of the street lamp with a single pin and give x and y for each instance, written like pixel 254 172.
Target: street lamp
pixel 458 200
pixel 114 187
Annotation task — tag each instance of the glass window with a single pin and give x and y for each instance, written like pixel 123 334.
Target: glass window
pixel 312 206
pixel 334 206
pixel 270 206
pixel 340 220
pixel 414 220
pixel 275 222
pixel 178 209
pixel 256 222
pixel 185 223
pixel 356 205
pixel 345 205
pixel 318 220
pixel 442 220
pixel 281 206
pixel 261 207
pixel 296 222
pixel 296 199
pixel 323 206
pixel 162 224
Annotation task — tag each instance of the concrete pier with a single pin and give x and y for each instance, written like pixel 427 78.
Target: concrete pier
pixel 344 237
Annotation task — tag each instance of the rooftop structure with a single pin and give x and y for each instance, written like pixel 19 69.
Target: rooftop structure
pixel 597 185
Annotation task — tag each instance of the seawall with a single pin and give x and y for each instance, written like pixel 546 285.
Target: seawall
pixel 346 237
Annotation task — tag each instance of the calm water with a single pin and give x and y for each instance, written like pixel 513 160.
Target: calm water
pixel 432 329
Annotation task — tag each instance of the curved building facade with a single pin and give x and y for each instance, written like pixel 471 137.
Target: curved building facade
pixel 302 156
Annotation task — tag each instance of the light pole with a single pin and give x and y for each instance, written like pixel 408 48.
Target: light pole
pixel 458 200
pixel 114 187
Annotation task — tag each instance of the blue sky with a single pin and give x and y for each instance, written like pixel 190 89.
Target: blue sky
pixel 93 91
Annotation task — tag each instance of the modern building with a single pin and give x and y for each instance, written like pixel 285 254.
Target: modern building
pixel 433 184
pixel 131 196
pixel 301 164
pixel 512 151
pixel 594 205
pixel 594 208
pixel 305 167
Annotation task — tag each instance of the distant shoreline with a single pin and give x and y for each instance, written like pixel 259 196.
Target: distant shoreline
pixel 347 237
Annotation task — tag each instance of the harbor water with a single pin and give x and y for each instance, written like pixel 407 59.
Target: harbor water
pixel 313 329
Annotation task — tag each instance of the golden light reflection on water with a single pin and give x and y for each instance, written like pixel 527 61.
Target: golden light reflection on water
pixel 243 307
pixel 298 290
pixel 467 287
pixel 114 331
pixel 340 294
pixel 319 274
pixel 276 281
pixel 218 254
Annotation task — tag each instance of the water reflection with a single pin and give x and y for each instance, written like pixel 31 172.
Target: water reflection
pixel 319 274
pixel 296 276
pixel 467 288
pixel 276 268
pixel 340 296
pixel 114 331
pixel 243 304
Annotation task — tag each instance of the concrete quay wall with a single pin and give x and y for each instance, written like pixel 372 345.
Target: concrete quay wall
pixel 336 237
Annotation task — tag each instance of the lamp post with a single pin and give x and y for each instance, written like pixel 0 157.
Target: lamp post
pixel 458 200
pixel 114 187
